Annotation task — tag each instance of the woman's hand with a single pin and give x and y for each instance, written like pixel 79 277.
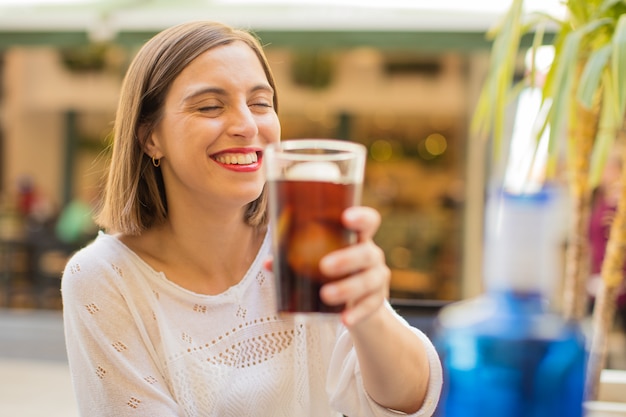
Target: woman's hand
pixel 365 276
pixel 366 283
pixel 393 361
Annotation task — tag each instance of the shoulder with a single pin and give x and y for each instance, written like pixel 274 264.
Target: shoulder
pixel 99 254
pixel 97 265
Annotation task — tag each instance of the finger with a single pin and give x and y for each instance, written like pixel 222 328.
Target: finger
pixel 351 259
pixel 350 290
pixel 359 311
pixel 362 294
pixel 363 220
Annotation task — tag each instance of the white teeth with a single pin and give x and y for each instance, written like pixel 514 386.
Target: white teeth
pixel 237 158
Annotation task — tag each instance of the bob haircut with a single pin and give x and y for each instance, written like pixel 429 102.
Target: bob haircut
pixel 134 194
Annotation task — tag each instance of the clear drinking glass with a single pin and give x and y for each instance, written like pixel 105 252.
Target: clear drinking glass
pixel 310 183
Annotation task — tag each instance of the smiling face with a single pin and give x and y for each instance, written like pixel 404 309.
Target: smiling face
pixel 217 117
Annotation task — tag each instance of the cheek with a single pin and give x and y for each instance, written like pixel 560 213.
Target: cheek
pixel 269 127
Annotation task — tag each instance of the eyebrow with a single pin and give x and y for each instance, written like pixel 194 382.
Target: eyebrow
pixel 222 92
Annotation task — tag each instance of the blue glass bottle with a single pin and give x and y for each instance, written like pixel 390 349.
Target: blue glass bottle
pixel 505 353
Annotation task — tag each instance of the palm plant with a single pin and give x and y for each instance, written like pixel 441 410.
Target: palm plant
pixel 585 97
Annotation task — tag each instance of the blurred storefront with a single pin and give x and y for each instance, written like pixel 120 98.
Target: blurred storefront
pixel 403 90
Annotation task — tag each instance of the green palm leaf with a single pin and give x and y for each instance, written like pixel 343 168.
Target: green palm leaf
pixel 619 64
pixel 564 68
pixel 590 79
pixel 608 5
pixel 606 131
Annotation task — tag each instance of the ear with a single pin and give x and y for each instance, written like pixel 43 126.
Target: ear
pixel 151 143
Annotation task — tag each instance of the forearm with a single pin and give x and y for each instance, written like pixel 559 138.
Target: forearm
pixel 393 361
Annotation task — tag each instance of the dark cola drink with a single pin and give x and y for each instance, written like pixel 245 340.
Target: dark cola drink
pixel 308 227
pixel 310 182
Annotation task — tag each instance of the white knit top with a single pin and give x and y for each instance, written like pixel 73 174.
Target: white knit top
pixel 140 345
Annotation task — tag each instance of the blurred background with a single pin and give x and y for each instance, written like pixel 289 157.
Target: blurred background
pixel 400 76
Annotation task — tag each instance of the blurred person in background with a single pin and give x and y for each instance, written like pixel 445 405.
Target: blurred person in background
pixel 604 204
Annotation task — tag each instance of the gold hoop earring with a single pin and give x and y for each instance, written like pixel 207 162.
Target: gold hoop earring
pixel 156 162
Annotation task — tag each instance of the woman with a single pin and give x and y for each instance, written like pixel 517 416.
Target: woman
pixel 171 311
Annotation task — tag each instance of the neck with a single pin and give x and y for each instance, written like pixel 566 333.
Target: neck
pixel 206 254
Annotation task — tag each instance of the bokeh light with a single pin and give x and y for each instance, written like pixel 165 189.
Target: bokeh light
pixel 381 150
pixel 433 146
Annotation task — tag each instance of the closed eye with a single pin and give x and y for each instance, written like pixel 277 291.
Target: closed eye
pixel 211 111
pixel 261 107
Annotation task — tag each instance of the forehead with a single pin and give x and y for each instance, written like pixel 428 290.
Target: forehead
pixel 234 61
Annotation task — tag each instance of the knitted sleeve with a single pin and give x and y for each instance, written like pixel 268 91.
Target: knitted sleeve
pixel 114 369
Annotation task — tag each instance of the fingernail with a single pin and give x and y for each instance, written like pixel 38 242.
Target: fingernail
pixel 350 214
pixel 329 292
pixel 327 262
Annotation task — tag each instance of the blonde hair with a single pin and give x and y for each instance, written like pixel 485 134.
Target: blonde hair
pixel 134 195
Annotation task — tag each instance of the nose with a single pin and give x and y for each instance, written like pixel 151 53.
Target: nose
pixel 242 122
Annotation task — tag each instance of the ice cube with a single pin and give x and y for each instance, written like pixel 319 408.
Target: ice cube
pixel 314 171
pixel 309 245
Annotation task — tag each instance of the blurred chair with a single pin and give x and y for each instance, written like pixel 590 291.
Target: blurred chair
pixel 16 276
pixel 49 256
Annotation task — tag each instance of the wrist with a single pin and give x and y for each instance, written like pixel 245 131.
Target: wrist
pixel 375 321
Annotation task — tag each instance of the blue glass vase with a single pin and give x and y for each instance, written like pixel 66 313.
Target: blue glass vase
pixel 505 353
